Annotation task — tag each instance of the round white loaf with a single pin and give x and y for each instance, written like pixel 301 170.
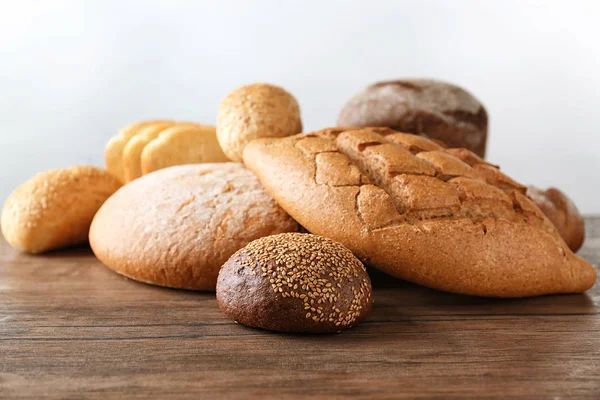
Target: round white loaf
pixel 177 226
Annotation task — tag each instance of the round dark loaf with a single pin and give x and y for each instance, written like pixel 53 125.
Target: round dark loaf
pixel 295 282
pixel 430 108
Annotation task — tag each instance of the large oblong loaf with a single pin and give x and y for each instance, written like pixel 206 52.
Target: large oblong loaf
pixel 443 218
pixel 177 226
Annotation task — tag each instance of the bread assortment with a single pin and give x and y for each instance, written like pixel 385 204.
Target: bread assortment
pixel 148 146
pixel 295 282
pixel 401 186
pixel 440 218
pixel 177 226
pixel 434 109
pixel 55 208
pixel 255 111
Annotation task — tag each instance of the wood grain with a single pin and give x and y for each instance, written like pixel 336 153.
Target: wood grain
pixel 71 328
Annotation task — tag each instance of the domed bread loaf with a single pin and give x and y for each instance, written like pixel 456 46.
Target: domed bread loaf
pixel 435 109
pixel 441 218
pixel 295 282
pixel 177 226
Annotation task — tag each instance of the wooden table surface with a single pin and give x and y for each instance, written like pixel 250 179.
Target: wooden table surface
pixel 71 328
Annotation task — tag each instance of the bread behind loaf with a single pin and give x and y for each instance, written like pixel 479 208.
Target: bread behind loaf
pixel 562 212
pixel 181 145
pixel 435 109
pixel 255 111
pixel 132 152
pixel 113 152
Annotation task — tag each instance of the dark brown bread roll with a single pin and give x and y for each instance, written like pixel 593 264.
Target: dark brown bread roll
pixel 295 282
pixel 562 212
pixel 443 218
pixel 430 108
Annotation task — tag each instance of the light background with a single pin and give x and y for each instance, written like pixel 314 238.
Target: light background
pixel 73 72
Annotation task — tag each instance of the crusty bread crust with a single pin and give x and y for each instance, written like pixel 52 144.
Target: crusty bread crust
pixel 436 109
pixel 55 208
pixel 441 218
pixel 177 226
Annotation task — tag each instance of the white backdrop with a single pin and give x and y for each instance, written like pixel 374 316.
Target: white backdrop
pixel 73 72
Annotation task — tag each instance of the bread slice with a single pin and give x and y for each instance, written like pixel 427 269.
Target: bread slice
pixel 113 152
pixel 132 153
pixel 441 218
pixel 181 145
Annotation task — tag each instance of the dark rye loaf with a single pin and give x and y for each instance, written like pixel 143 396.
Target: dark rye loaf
pixel 295 282
pixel 426 107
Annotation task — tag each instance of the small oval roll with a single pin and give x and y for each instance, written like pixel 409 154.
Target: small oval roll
pixel 55 208
pixel 295 282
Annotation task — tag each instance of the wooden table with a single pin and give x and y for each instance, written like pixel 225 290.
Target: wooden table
pixel 71 328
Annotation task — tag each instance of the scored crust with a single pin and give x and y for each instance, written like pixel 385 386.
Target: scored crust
pixel 443 218
pixel 177 226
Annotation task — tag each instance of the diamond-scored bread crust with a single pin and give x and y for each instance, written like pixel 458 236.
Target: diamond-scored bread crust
pixel 440 217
